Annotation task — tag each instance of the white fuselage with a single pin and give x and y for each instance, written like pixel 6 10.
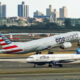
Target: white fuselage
pixel 62 58
pixel 40 44
pixel 49 42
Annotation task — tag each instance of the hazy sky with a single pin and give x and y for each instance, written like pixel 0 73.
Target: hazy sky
pixel 41 5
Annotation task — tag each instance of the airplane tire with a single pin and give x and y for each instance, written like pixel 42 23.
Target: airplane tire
pixel 34 65
pixel 60 65
pixel 50 65
pixel 39 52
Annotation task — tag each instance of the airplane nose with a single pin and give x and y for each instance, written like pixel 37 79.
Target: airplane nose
pixel 28 60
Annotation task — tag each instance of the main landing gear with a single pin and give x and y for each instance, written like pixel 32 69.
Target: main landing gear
pixel 53 64
pixel 50 52
pixel 38 52
pixel 50 65
pixel 34 65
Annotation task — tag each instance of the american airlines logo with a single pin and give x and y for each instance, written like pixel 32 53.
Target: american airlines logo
pixel 66 38
pixel 7 46
pixel 6 40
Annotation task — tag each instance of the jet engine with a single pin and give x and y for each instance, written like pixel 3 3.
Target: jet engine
pixel 66 45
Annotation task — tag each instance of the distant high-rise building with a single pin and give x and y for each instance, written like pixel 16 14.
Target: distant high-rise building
pixel 49 11
pixel 56 13
pixel 2 11
pixel 38 14
pixel 23 10
pixel 52 13
pixel 63 12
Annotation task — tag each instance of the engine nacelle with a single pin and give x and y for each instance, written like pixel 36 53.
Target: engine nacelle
pixel 66 45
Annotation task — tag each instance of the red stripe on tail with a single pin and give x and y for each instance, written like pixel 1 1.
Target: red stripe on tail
pixel 10 47
pixel 3 44
pixel 1 40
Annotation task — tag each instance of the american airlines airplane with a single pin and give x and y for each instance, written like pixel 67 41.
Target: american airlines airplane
pixel 63 39
pixel 53 59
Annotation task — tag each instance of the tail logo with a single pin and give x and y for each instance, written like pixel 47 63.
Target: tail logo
pixel 7 46
pixel 4 41
pixel 78 51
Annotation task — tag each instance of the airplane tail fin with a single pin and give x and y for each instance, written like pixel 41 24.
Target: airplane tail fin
pixel 78 51
pixel 8 46
pixel 4 41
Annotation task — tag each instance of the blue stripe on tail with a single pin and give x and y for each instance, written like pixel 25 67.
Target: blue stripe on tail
pixel 78 51
pixel 5 39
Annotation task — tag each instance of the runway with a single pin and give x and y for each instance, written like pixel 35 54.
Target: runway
pixel 19 69
pixel 22 63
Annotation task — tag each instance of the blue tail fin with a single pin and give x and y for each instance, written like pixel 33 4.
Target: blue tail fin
pixel 78 51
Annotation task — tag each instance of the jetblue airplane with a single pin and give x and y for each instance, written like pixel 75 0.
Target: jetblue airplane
pixel 63 39
pixel 53 59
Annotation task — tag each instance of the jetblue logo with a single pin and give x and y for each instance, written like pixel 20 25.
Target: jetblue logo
pixel 66 38
pixel 44 57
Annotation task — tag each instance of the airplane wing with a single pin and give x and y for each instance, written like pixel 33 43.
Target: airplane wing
pixel 64 61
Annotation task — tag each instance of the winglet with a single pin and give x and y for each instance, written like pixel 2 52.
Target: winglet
pixel 78 51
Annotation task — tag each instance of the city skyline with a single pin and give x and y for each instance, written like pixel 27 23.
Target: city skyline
pixel 73 10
